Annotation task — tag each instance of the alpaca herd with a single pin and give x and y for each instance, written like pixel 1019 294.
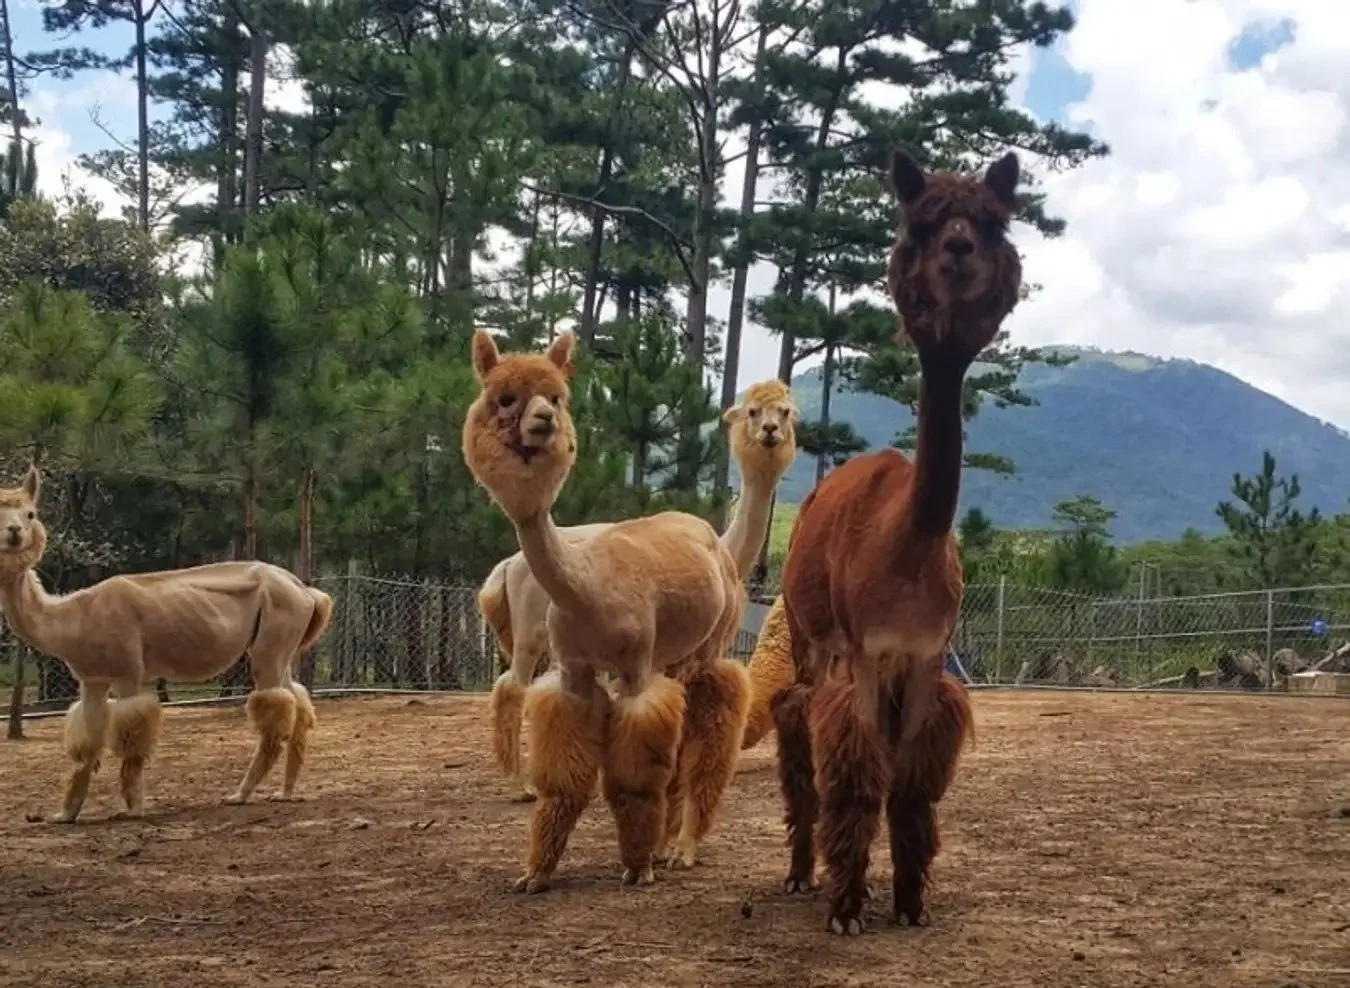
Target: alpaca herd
pixel 637 617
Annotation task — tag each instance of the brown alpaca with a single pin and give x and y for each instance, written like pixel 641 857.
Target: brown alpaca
pixel 764 443
pixel 872 585
pixel 654 601
pixel 184 625
pixel 770 670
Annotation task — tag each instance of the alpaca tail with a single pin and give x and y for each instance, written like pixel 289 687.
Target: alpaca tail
pixel 496 606
pixel 770 671
pixel 318 621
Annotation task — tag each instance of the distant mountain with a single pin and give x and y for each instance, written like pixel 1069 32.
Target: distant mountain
pixel 1156 440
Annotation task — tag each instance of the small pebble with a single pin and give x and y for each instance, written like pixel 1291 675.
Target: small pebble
pixel 747 910
pixel 1078 955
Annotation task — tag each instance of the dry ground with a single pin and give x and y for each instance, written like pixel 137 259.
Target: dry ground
pixel 1091 840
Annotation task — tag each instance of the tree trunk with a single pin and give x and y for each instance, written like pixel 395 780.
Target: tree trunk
pixel 253 133
pixel 11 78
pixel 15 732
pixel 826 387
pixel 590 314
pixel 142 120
pixel 736 314
pixel 696 313
pixel 227 136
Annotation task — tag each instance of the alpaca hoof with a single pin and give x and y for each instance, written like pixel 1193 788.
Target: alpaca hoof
pixel 525 796
pixel 63 817
pixel 799 886
pixel 531 884
pixel 850 927
pixel 636 878
pixel 235 799
pixel 913 914
pixel 684 857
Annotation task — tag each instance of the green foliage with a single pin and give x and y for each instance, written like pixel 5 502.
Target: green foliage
pixel 1275 541
pixel 18 176
pixel 1082 558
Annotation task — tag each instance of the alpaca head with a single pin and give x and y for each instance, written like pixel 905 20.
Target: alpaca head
pixel 763 430
pixel 22 537
pixel 953 274
pixel 519 440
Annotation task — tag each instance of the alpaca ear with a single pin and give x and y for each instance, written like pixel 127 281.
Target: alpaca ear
pixel 796 413
pixel 485 355
pixel 1001 179
pixel 906 177
pixel 560 352
pixel 734 414
pixel 32 483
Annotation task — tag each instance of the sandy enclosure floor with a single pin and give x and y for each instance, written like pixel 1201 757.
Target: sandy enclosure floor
pixel 1090 840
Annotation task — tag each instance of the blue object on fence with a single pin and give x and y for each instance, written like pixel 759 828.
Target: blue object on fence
pixel 1319 627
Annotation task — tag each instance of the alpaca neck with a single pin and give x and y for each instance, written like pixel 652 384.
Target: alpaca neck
pixel 560 569
pixel 938 453
pixel 34 615
pixel 744 537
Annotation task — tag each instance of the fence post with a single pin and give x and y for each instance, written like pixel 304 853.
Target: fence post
pixel 1270 639
pixel 998 644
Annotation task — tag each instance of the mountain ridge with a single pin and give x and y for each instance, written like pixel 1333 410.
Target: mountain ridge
pixel 1155 439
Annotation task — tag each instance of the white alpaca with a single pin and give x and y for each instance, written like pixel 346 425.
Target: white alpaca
pixel 185 625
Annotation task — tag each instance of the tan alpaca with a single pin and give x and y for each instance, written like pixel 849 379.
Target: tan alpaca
pixel 654 601
pixel 764 442
pixel 184 625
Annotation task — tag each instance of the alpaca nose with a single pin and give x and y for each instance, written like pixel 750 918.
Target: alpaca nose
pixel 770 428
pixel 14 532
pixel 958 244
pixel 544 414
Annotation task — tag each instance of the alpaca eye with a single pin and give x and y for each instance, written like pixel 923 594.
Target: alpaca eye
pixel 754 413
pixel 32 515
pixel 556 399
pixel 506 401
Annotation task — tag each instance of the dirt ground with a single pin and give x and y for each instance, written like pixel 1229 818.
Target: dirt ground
pixel 1090 840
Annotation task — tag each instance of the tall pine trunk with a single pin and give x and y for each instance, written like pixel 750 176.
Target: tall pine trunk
pixel 253 130
pixel 739 278
pixel 142 120
pixel 227 138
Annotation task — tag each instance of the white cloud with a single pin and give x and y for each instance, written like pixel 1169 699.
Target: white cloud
pixel 1219 227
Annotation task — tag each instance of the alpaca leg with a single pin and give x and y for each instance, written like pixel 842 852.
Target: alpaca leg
pixel 86 735
pixel 272 712
pixel 922 772
pixel 676 792
pixel 718 701
pixel 644 733
pixel 136 719
pixel 852 781
pixel 298 745
pixel 506 712
pixel 796 775
pixel 567 718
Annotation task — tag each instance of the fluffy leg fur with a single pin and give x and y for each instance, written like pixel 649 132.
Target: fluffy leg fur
pixel 136 722
pixel 717 702
pixel 639 761
pixel 922 772
pixel 86 735
pixel 567 735
pixel 852 780
pixel 272 713
pixel 298 746
pixel 507 711
pixel 797 777
pixel 770 671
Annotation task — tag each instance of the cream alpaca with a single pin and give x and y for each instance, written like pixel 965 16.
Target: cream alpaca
pixel 654 601
pixel 184 625
pixel 764 442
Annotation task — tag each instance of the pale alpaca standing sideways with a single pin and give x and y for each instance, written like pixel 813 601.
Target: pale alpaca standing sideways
pixel 872 585
pixel 653 601
pixel 763 441
pixel 185 625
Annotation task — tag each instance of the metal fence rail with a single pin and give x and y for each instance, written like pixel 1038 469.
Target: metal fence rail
pixel 390 634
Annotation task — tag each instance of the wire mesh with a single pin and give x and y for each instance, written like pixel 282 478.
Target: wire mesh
pixel 391 634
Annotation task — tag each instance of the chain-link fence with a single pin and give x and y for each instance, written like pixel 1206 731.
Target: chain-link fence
pixel 389 634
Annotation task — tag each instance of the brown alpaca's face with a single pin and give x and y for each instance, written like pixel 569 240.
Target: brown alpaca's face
pixel 519 440
pixel 763 429
pixel 22 537
pixel 953 267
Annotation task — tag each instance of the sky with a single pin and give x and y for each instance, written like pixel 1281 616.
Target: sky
pixel 1217 230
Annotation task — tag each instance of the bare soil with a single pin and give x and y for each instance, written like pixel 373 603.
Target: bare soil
pixel 1090 840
